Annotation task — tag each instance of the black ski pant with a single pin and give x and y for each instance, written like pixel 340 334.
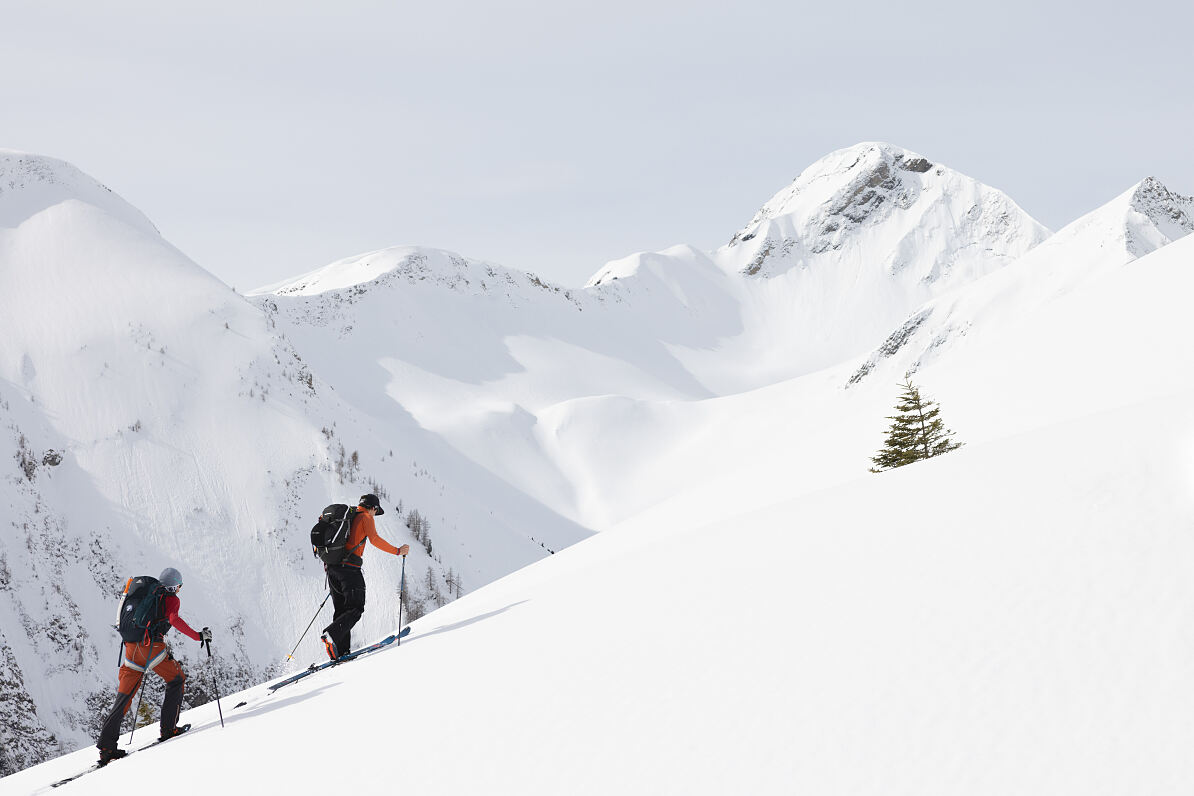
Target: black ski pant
pixel 347 584
pixel 136 660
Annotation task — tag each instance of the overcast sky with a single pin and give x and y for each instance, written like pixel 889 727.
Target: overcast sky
pixel 266 139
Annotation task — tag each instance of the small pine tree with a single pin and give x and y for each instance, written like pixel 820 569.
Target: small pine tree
pixel 917 432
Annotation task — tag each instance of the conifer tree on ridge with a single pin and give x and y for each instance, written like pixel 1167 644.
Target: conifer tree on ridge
pixel 917 432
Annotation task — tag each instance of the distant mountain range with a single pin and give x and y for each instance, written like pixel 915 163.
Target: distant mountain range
pixel 158 418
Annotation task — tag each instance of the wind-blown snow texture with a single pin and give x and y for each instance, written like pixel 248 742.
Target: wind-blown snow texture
pixel 1010 618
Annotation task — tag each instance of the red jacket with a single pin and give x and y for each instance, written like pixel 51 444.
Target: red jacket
pixel 170 606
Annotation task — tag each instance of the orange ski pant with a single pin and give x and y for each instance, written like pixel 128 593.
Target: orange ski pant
pixel 137 659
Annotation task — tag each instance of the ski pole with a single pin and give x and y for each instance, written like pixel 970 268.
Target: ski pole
pixel 214 685
pixel 137 712
pixel 304 635
pixel 401 599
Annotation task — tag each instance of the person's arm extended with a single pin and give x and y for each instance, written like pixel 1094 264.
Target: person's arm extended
pixel 171 605
pixel 381 544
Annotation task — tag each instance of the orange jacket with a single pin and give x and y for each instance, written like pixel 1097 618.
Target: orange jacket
pixel 363 529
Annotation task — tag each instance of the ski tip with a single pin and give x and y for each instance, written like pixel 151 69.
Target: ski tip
pixel 404 632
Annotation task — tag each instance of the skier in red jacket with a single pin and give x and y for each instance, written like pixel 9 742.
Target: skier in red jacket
pixel 151 654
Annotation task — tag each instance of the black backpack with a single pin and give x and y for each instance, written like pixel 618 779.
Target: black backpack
pixel 140 616
pixel 329 536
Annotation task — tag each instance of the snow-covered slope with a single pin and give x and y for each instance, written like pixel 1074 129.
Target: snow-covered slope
pixel 156 418
pixel 1011 618
pixel 700 410
pixel 478 353
pixel 526 378
pixel 1141 220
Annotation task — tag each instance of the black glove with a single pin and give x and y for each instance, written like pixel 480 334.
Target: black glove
pixel 205 635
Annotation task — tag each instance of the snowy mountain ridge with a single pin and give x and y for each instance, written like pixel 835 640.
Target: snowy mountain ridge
pixel 157 419
pixel 833 262
pixel 30 183
pixel 1141 220
pixel 411 264
pixel 676 390
pixel 1159 217
pixel 1011 618
pixel 853 190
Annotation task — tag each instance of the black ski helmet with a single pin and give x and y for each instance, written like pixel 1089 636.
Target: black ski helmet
pixel 371 502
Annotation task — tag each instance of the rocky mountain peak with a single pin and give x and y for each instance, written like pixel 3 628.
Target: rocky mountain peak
pixel 889 210
pixel 845 188
pixel 1156 216
pixel 1160 204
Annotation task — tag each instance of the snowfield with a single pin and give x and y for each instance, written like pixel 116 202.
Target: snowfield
pixel 759 613
pixel 1000 620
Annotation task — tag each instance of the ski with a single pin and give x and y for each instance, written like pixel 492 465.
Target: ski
pixel 61 782
pixel 96 766
pixel 313 668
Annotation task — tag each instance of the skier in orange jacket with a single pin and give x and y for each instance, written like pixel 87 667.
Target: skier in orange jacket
pixel 346 581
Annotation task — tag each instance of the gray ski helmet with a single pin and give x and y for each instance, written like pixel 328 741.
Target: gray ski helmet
pixel 171 578
pixel 371 502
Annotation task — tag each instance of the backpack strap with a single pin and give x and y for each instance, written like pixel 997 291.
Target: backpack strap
pixel 159 626
pixel 351 552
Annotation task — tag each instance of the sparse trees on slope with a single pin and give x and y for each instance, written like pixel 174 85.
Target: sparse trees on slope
pixel 917 432
pixel 420 528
